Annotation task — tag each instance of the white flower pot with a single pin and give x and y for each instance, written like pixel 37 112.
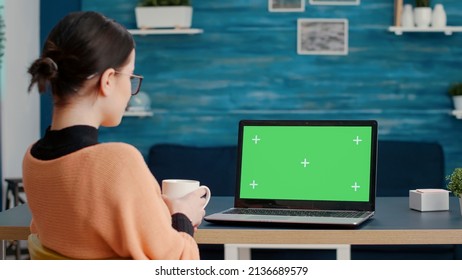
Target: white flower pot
pixel 439 16
pixel 457 100
pixel 460 204
pixel 407 16
pixel 164 17
pixel 423 17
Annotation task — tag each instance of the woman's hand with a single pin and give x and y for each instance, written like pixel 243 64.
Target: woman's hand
pixel 191 205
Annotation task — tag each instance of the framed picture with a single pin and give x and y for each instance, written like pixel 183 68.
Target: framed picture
pixel 334 2
pixel 286 5
pixel 322 36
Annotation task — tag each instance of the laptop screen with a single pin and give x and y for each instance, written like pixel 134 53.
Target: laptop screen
pixel 326 161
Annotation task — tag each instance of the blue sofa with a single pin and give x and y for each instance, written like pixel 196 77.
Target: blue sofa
pixel 402 165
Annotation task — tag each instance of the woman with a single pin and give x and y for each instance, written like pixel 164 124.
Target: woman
pixel 92 200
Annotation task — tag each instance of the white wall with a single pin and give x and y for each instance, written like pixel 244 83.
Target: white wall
pixel 20 110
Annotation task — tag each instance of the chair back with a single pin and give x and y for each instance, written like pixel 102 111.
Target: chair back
pixel 39 252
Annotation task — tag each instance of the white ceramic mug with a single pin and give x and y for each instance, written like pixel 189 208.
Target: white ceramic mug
pixel 175 188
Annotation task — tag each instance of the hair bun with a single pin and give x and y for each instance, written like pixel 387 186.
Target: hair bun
pixel 48 68
pixel 43 70
pixel 52 62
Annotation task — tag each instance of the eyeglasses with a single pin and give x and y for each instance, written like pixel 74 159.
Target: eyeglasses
pixel 135 81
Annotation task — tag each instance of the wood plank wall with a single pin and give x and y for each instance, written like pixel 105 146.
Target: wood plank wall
pixel 245 66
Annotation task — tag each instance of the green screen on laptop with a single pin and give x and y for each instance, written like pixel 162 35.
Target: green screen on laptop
pixel 326 163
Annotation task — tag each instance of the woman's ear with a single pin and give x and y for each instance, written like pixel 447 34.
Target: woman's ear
pixel 107 82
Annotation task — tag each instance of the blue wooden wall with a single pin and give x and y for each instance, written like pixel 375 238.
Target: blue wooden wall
pixel 51 11
pixel 245 66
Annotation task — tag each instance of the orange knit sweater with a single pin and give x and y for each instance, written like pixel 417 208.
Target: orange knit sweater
pixel 102 202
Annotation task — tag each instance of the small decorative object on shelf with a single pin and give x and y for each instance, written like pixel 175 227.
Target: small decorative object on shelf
pixel 439 18
pixel 140 102
pixel 164 14
pixel 407 16
pixel 456 92
pixel 139 106
pixel 422 13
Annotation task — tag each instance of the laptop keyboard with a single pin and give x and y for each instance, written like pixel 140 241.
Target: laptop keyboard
pixel 301 213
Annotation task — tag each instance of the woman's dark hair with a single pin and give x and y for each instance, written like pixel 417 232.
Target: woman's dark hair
pixel 81 45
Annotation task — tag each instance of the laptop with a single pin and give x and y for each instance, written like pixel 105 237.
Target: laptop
pixel 320 172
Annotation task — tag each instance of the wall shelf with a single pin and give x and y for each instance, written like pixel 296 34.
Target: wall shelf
pixel 457 114
pixel 172 31
pixel 138 114
pixel 399 30
pixel 448 30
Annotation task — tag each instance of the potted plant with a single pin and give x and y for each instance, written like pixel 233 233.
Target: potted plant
pixel 2 33
pixel 456 92
pixel 163 14
pixel 455 185
pixel 422 13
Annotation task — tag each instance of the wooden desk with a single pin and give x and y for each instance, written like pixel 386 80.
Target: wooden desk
pixel 14 225
pixel 394 223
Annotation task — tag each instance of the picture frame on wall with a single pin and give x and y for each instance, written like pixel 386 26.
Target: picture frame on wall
pixel 322 36
pixel 335 2
pixel 286 5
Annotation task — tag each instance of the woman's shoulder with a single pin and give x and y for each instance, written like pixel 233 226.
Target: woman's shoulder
pixel 117 146
pixel 116 149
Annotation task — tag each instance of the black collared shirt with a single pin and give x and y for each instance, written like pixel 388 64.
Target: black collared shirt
pixel 58 143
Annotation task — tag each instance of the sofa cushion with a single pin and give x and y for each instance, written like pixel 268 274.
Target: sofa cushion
pixel 402 165
pixel 214 167
pixel 406 165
